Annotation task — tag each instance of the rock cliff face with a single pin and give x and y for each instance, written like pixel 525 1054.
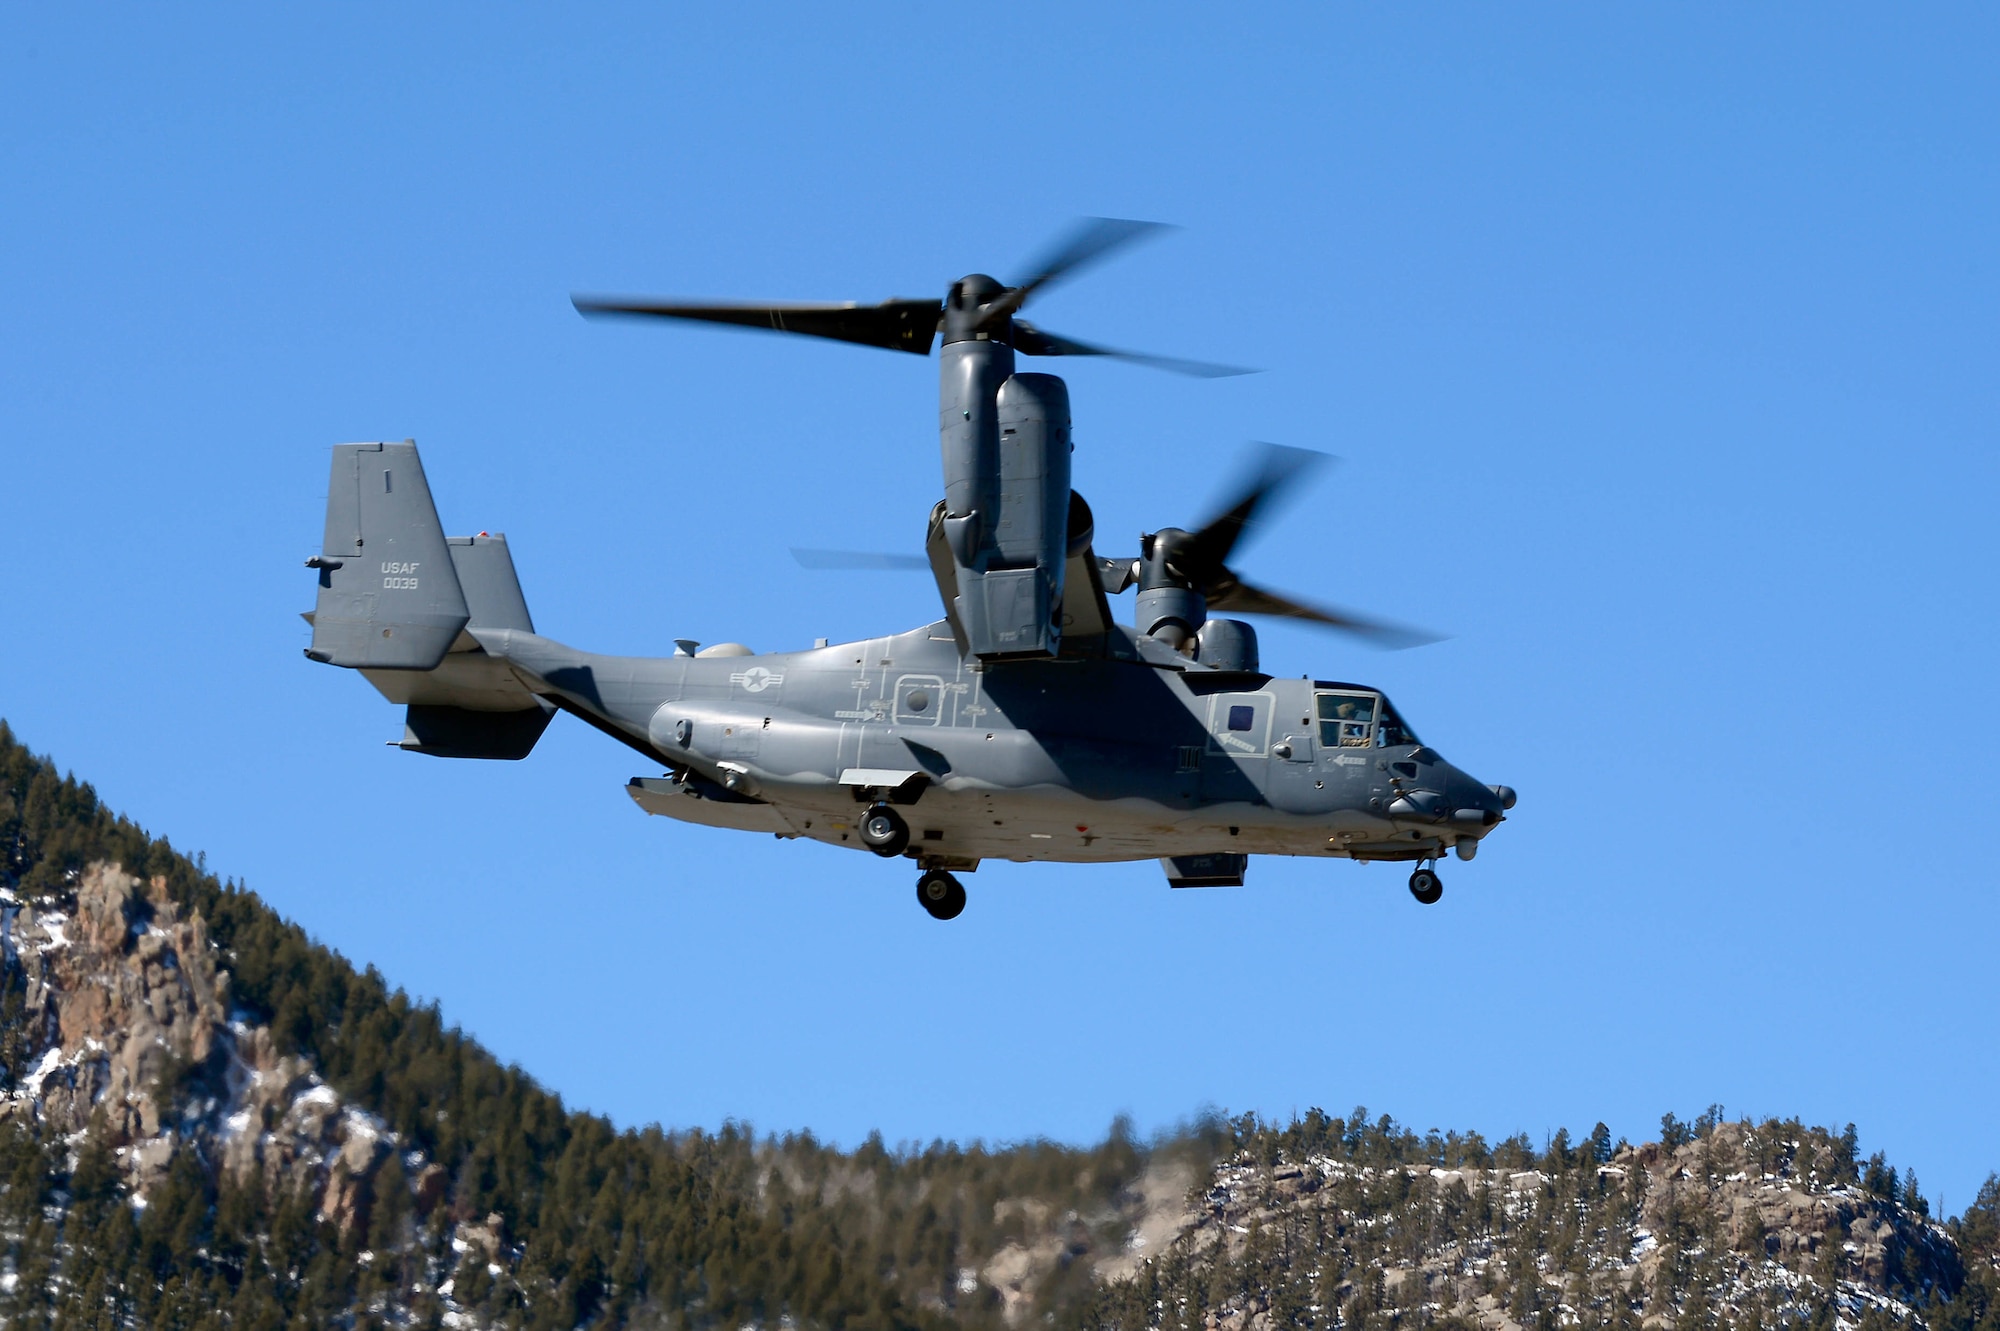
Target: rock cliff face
pixel 121 991
pixel 124 998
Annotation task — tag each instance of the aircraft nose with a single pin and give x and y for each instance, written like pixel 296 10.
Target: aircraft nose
pixel 1477 805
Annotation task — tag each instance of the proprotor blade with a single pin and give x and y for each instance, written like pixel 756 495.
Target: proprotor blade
pixel 1090 240
pixel 1240 598
pixel 897 325
pixel 1279 468
pixel 1032 341
pixel 1197 557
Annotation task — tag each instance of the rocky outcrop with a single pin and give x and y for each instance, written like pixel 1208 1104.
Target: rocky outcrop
pixel 125 993
pixel 1726 1229
pixel 127 1009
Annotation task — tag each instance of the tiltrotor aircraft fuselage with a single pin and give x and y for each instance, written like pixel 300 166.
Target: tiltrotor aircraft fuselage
pixel 1026 724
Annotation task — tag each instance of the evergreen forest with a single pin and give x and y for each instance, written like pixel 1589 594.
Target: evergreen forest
pixel 540 1216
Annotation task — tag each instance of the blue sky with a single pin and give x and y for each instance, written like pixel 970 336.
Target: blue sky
pixel 1658 347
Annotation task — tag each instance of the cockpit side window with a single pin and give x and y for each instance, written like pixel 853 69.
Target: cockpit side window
pixel 1392 732
pixel 1346 720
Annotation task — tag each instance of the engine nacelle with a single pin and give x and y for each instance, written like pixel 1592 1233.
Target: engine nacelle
pixel 1010 555
pixel 1032 526
pixel 1167 608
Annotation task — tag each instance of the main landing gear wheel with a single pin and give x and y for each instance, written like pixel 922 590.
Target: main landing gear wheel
pixel 1426 886
pixel 940 894
pixel 884 831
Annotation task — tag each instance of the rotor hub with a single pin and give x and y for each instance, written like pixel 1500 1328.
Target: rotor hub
pixel 966 316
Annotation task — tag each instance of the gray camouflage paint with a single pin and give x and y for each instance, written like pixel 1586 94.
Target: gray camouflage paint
pixel 1119 749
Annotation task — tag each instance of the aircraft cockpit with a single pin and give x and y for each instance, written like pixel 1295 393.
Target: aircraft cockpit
pixel 1352 717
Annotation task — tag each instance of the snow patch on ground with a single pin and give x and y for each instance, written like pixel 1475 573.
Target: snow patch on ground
pixel 360 1123
pixel 31 1085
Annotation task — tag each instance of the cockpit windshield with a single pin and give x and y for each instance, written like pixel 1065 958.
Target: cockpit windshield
pixel 1351 718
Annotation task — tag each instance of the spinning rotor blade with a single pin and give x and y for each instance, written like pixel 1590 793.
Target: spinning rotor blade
pixel 897 325
pixel 1279 468
pixel 1198 556
pixel 912 325
pixel 1240 598
pixel 1093 238
pixel 860 559
pixel 1032 341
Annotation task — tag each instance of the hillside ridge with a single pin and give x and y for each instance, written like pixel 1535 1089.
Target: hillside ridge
pixel 207 1120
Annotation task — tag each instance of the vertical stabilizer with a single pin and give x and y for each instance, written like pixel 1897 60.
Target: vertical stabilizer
pixel 492 589
pixel 389 597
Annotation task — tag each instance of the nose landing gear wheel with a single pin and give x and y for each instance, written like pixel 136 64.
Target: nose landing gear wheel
pixel 884 831
pixel 940 894
pixel 1426 886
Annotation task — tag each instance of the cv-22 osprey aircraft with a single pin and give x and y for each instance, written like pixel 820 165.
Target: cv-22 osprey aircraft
pixel 1027 724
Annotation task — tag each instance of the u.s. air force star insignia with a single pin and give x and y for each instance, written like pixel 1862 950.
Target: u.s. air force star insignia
pixel 756 679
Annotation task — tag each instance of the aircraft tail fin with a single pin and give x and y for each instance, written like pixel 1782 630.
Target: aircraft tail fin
pixel 389 596
pixel 396 596
pixel 485 571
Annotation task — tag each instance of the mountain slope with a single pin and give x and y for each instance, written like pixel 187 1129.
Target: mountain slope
pixel 206 1120
pixel 210 1120
pixel 1332 1221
